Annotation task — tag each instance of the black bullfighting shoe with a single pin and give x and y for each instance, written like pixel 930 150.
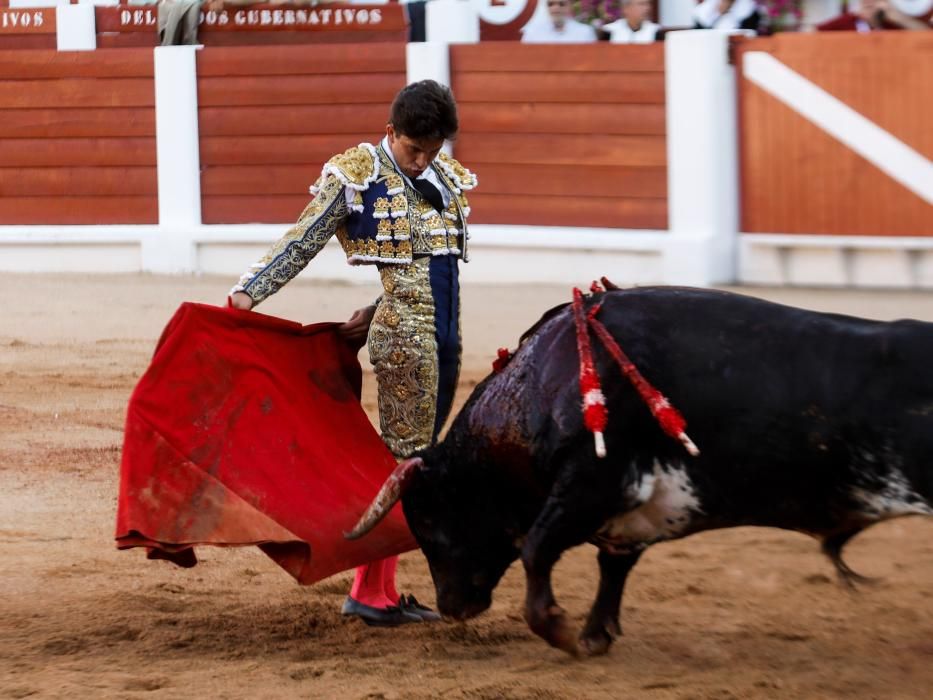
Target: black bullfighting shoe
pixel 410 605
pixel 392 616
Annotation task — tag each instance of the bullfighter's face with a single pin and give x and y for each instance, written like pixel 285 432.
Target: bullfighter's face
pixel 413 156
pixel 464 539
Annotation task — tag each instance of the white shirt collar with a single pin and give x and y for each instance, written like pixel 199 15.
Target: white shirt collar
pixel 428 174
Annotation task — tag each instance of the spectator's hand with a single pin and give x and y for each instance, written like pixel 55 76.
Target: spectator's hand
pixel 213 5
pixel 355 330
pixel 241 300
pixel 725 6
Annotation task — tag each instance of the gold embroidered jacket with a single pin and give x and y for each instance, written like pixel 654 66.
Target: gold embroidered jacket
pixel 385 221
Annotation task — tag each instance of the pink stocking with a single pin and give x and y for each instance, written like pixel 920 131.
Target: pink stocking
pixel 369 587
pixel 389 566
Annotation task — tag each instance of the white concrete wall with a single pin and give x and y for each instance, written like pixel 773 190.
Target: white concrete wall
pixel 702 158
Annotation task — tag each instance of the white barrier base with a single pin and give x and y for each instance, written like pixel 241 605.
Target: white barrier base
pixel 836 261
pixel 500 254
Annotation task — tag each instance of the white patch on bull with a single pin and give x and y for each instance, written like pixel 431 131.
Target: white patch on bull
pixel 666 502
pixel 892 499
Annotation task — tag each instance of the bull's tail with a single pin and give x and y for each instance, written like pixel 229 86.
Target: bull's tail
pixel 832 547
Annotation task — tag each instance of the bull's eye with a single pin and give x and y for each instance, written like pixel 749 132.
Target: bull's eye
pixel 478 580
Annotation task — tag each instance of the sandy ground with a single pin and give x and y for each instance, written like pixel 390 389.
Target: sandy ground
pixel 738 614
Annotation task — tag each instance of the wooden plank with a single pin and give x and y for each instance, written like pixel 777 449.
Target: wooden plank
pixel 65 181
pixel 27 21
pixel 886 79
pixel 798 179
pixel 601 212
pixel 312 150
pixel 583 181
pixel 258 179
pixel 128 41
pixel 123 63
pixel 560 118
pixel 498 56
pixel 332 17
pixel 562 149
pixel 544 180
pixel 238 61
pixel 276 120
pixel 509 86
pixel 61 123
pixel 262 209
pixel 228 39
pixel 30 41
pixel 299 90
pixel 29 153
pixel 122 20
pixel 78 92
pixel 264 17
pixel 78 210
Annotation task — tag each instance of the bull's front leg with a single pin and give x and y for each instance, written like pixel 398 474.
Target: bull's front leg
pixel 566 520
pixel 602 625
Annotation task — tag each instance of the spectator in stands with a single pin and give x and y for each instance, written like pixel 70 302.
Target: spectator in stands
pixel 178 22
pixel 558 28
pixel 872 16
pixel 417 13
pixel 727 14
pixel 633 27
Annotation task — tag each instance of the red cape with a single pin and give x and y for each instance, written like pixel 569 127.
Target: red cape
pixel 247 430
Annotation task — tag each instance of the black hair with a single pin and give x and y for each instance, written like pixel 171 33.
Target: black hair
pixel 425 110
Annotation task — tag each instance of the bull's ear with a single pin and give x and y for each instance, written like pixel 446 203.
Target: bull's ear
pixel 388 496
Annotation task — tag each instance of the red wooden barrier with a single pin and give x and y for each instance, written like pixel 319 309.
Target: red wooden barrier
pixel 796 178
pixel 78 138
pixel 129 25
pixel 270 116
pixel 564 135
pixel 27 28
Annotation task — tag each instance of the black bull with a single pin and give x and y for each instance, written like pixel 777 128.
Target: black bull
pixel 811 422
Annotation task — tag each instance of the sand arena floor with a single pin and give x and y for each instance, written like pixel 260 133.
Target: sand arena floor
pixel 738 614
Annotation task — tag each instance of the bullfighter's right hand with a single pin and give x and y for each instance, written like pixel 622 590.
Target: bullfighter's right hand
pixel 241 300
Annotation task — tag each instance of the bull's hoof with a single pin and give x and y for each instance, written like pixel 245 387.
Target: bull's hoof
pixel 598 637
pixel 595 646
pixel 552 626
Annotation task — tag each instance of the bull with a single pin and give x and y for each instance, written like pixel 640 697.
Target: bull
pixel 812 422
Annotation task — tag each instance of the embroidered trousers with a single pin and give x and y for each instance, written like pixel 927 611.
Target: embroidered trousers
pixel 414 346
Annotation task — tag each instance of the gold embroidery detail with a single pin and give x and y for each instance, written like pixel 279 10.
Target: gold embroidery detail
pixel 462 178
pixel 436 224
pixel 381 208
pixel 357 165
pixel 403 350
pixel 401 228
pixel 394 184
pixel 322 218
pixel 399 205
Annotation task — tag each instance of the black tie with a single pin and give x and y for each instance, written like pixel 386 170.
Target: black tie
pixel 430 193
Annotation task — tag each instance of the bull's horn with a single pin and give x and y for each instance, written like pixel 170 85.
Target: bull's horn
pixel 388 495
